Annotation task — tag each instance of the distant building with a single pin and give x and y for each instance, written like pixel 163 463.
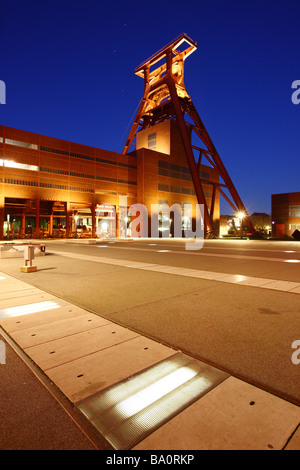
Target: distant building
pixel 262 222
pixel 285 214
pixel 231 224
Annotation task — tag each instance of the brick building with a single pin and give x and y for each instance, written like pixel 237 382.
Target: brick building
pixel 285 214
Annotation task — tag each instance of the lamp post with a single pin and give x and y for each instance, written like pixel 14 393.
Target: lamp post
pixel 8 225
pixel 76 218
pixel 241 215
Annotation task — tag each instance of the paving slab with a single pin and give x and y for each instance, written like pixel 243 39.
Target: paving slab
pixel 233 416
pixel 281 285
pixel 27 309
pixel 13 286
pixel 40 334
pixel 40 318
pixel 233 278
pixel 90 374
pixel 295 291
pixel 208 275
pixel 69 348
pixel 294 442
pixel 163 269
pixel 15 294
pixel 27 298
pixel 255 281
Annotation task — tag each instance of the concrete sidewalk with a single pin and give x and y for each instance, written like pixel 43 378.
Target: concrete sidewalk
pixel 104 371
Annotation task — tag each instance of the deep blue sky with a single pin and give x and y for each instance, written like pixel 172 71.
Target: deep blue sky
pixel 69 73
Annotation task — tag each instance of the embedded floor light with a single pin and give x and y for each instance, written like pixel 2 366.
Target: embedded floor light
pixel 155 391
pixel 130 410
pixel 27 309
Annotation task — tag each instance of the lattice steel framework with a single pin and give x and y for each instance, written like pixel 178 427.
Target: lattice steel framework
pixel 165 97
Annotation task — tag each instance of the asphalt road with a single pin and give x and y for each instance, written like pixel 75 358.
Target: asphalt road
pixel 247 330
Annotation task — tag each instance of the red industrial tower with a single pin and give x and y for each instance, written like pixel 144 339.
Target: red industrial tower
pixel 165 97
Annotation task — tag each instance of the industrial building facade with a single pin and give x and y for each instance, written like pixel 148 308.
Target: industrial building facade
pixel 285 214
pixel 55 188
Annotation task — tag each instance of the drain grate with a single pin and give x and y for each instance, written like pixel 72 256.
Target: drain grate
pixel 129 411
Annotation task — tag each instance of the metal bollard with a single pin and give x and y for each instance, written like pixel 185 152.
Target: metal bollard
pixel 28 257
pixel 28 254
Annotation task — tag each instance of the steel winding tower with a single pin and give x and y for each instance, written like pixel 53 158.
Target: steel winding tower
pixel 165 97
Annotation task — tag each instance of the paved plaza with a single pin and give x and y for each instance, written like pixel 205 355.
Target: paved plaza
pixel 221 321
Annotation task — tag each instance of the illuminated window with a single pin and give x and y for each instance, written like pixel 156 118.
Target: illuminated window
pixel 21 144
pixel 19 166
pixel 294 211
pixel 152 141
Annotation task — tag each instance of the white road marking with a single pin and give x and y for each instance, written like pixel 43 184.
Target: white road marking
pixel 273 284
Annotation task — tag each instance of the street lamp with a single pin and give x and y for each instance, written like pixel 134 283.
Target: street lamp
pixel 241 215
pixel 8 225
pixel 76 218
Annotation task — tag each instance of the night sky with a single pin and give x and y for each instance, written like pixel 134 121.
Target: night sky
pixel 69 67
